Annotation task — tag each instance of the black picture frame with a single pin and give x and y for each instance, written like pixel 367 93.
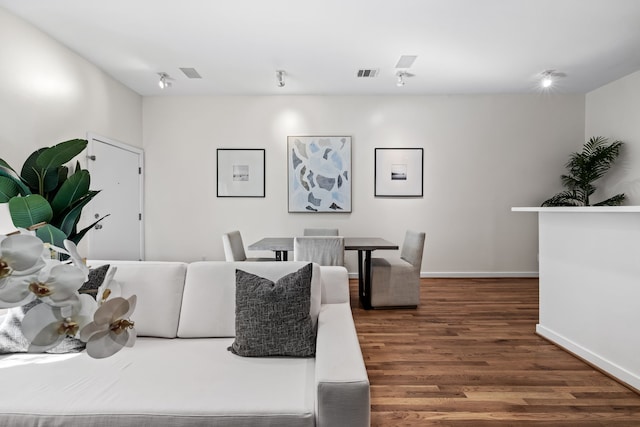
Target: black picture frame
pixel 399 172
pixel 240 172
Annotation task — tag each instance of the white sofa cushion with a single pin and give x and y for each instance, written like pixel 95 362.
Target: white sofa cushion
pixel 158 383
pixel 335 285
pixel 158 286
pixel 209 301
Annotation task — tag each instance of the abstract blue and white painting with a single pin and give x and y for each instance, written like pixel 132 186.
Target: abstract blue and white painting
pixel 319 173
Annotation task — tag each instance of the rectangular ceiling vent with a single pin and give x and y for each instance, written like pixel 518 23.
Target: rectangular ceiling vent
pixel 191 73
pixel 368 72
pixel 406 61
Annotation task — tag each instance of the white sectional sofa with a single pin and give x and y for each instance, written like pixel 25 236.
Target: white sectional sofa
pixel 180 373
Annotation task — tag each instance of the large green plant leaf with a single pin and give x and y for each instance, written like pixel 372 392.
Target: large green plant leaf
pixel 29 210
pixel 68 220
pixel 8 189
pixel 45 183
pixel 616 200
pixel 63 173
pixel 72 190
pixel 7 171
pixel 53 157
pixel 76 237
pixel 30 172
pixel 50 234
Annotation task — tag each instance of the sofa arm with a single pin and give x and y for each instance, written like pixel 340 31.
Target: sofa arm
pixel 335 284
pixel 342 397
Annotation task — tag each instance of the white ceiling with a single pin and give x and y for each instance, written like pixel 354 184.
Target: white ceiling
pixel 463 46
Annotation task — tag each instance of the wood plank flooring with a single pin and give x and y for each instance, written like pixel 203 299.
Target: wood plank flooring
pixel 469 356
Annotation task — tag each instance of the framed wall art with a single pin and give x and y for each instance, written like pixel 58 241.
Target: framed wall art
pixel 240 172
pixel 398 172
pixel 319 173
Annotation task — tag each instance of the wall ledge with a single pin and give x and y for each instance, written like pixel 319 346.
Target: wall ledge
pixel 573 209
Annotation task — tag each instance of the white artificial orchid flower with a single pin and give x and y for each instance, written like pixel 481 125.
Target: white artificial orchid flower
pixel 45 326
pixel 20 254
pixel 55 285
pixel 59 285
pixel 15 293
pixel 111 328
pixel 77 260
pixel 20 261
pixel 109 288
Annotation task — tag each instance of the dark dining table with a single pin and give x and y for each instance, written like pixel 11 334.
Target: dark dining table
pixel 364 245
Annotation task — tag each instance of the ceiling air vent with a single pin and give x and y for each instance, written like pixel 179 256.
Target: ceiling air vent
pixel 191 73
pixel 406 61
pixel 367 72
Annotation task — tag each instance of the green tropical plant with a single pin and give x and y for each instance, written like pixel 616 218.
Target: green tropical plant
pixel 585 167
pixel 44 192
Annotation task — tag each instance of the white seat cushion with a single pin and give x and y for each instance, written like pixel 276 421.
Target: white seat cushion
pixel 211 386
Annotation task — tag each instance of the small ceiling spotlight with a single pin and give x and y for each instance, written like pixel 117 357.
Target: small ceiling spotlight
pixel 549 77
pixel 401 76
pixel 404 63
pixel 547 80
pixel 165 80
pixel 280 77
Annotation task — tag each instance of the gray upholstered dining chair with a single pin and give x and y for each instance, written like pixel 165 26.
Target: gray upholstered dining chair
pixel 234 248
pixel 323 250
pixel 321 232
pixel 395 282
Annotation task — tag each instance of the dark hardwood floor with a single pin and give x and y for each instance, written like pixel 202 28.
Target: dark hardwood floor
pixel 469 356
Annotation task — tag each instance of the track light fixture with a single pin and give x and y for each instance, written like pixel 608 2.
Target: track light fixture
pixel 402 69
pixel 280 77
pixel 547 80
pixel 549 77
pixel 401 75
pixel 165 80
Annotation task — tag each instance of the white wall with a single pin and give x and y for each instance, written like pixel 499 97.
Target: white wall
pixel 483 155
pixel 613 111
pixel 48 94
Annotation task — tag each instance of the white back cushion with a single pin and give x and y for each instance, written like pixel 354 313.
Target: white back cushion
pixel 209 301
pixel 159 286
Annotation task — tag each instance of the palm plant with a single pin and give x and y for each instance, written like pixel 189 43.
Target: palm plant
pixel 585 167
pixel 45 192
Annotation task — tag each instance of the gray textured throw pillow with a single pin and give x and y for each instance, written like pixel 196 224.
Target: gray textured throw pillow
pixel 272 319
pixel 13 341
pixel 96 277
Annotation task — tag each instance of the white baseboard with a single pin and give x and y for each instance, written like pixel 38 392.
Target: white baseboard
pixel 470 274
pixel 596 360
pixel 478 274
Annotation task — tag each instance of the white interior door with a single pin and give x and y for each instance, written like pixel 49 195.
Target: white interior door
pixel 117 170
